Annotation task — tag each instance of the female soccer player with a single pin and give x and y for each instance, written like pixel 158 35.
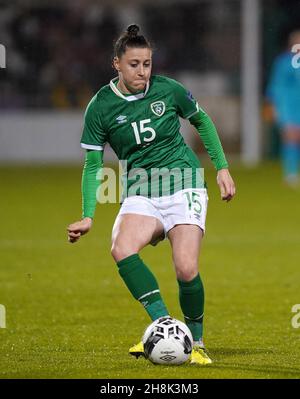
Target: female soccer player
pixel 138 115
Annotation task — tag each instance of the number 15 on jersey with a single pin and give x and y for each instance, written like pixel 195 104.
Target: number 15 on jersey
pixel 141 129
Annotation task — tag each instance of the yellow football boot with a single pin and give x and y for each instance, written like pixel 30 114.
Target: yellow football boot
pixel 137 350
pixel 199 356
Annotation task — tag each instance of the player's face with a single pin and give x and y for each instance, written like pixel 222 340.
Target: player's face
pixel 134 68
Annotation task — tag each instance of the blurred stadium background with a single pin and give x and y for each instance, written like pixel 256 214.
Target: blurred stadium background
pixel 58 54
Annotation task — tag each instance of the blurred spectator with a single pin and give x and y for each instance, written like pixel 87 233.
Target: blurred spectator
pixel 283 92
pixel 57 55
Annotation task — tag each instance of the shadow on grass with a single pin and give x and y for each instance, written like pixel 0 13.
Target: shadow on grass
pixel 239 351
pixel 264 368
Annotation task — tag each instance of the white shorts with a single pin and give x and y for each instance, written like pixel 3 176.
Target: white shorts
pixel 187 206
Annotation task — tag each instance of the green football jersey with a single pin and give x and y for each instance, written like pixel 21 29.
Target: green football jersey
pixel 144 131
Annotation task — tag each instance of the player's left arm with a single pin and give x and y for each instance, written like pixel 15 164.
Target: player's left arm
pixel 210 138
pixel 188 108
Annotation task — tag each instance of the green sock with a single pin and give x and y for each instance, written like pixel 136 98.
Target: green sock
pixel 143 285
pixel 191 298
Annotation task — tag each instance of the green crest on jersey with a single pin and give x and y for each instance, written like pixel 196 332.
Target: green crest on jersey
pixel 158 108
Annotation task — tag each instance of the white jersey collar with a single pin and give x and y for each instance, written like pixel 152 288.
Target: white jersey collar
pixel 134 97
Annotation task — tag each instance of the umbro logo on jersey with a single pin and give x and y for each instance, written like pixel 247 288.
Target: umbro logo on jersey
pixel 158 108
pixel 121 119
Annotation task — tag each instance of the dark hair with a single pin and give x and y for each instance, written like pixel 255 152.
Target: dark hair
pixel 130 38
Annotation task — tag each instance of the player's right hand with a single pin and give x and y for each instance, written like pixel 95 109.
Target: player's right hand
pixel 78 229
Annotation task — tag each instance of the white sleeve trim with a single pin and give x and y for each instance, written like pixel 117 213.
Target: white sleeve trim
pixel 92 147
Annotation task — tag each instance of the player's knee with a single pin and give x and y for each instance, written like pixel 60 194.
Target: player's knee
pixel 187 273
pixel 120 252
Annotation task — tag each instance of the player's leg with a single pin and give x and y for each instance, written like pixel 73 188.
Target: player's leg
pixel 290 154
pixel 131 233
pixel 184 215
pixel 185 241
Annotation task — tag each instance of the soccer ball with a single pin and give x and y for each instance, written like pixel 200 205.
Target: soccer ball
pixel 167 341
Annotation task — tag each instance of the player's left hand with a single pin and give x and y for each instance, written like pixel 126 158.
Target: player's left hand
pixel 226 184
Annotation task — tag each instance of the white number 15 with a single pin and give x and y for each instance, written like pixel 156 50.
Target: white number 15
pixel 143 129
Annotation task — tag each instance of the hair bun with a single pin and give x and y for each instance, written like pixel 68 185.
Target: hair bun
pixel 133 30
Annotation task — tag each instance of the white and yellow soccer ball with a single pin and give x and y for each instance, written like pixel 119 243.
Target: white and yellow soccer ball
pixel 167 341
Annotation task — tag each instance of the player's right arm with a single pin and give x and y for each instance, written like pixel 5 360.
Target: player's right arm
pixel 89 185
pixel 93 140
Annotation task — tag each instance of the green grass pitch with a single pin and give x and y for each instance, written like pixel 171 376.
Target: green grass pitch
pixel 69 315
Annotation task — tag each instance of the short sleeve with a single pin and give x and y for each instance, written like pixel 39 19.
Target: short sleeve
pixel 93 135
pixel 186 105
